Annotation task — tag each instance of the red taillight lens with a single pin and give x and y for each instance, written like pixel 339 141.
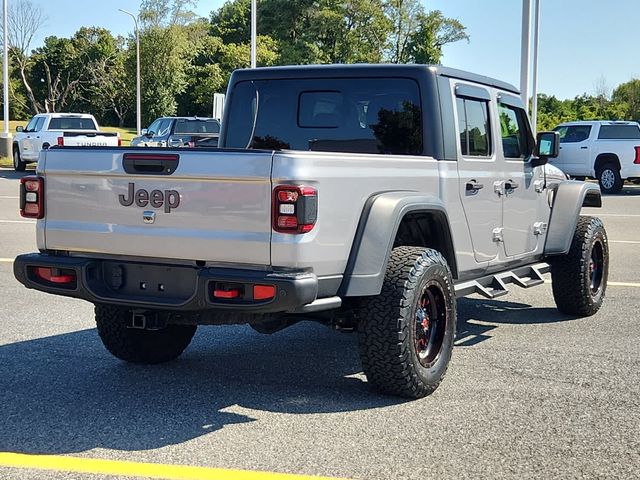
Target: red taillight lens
pixel 295 208
pixel 61 141
pixel 263 292
pixel 32 197
pixel 119 141
pixel 637 159
pixel 54 275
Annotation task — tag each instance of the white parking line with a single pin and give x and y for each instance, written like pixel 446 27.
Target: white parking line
pixel 616 215
pixel 6 260
pixel 17 221
pixel 630 242
pixel 8 197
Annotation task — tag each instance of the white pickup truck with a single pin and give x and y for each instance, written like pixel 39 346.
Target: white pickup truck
pixel 62 129
pixel 605 150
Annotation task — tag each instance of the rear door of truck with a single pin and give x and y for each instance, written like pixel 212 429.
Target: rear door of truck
pixel 212 206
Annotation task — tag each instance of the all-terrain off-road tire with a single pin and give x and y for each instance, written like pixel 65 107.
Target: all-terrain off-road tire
pixel 138 345
pixel 407 332
pixel 579 278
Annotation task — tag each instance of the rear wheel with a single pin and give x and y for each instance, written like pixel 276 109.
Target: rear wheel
pixel 18 164
pixel 579 278
pixel 610 179
pixel 407 332
pixel 138 345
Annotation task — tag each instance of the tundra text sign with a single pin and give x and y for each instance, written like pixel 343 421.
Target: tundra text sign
pixel 157 198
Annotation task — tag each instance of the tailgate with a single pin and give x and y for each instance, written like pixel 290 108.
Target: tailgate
pixel 189 205
pixel 89 139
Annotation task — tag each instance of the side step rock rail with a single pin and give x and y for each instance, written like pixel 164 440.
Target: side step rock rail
pixel 493 286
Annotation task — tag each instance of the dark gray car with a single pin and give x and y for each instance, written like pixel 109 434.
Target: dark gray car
pixel 179 132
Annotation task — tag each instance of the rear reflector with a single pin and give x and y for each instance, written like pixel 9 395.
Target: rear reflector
pixel 61 141
pixel 232 293
pixel 55 275
pixel 637 159
pixel 263 292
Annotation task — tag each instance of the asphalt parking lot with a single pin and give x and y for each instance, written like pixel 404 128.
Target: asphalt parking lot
pixel 530 393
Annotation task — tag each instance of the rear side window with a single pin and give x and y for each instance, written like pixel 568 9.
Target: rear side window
pixel 517 140
pixel 72 123
pixel 374 115
pixel 473 123
pixel 196 126
pixel 619 132
pixel 574 133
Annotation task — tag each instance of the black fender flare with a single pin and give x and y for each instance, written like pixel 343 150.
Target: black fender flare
pixel 377 229
pixel 568 199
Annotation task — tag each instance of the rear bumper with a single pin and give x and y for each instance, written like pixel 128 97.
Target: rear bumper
pixel 166 287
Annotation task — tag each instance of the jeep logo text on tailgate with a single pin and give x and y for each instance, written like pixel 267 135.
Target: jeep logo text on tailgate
pixel 157 198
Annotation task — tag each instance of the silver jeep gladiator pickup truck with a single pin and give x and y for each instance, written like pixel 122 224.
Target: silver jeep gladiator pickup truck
pixel 366 197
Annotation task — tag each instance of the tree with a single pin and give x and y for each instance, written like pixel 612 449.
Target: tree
pixel 403 15
pixel 629 94
pixel 25 21
pixel 419 36
pixel 433 32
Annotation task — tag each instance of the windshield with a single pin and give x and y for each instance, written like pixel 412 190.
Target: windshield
pixel 196 126
pixel 72 123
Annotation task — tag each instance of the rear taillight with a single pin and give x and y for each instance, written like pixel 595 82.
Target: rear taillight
pixel 637 159
pixel 32 197
pixel 295 208
pixel 119 141
pixel 61 141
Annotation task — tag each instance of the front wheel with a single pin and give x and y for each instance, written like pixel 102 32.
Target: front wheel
pixel 137 345
pixel 18 164
pixel 610 179
pixel 407 331
pixel 579 278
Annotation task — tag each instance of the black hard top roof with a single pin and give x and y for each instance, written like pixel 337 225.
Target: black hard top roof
pixel 364 69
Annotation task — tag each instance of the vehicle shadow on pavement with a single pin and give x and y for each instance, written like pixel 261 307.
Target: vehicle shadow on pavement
pixel 13 175
pixel 65 393
pixel 478 317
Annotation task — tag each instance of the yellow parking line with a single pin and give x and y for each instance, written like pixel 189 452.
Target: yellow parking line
pixel 96 466
pixel 6 260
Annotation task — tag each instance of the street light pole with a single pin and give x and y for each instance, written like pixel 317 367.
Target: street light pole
pixel 138 94
pixel 525 59
pixel 534 85
pixel 5 145
pixel 254 28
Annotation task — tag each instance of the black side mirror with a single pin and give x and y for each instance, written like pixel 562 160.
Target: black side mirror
pixel 20 129
pixel 547 145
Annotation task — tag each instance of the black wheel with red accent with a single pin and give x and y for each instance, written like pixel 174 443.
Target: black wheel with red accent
pixel 140 345
pixel 407 332
pixel 579 278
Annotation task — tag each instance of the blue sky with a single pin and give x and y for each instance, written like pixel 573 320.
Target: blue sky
pixel 581 42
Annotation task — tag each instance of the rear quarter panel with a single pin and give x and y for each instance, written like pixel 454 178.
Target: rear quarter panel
pixel 344 183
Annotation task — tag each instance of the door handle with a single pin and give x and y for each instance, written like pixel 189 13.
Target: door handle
pixel 473 186
pixel 510 185
pixel 583 148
